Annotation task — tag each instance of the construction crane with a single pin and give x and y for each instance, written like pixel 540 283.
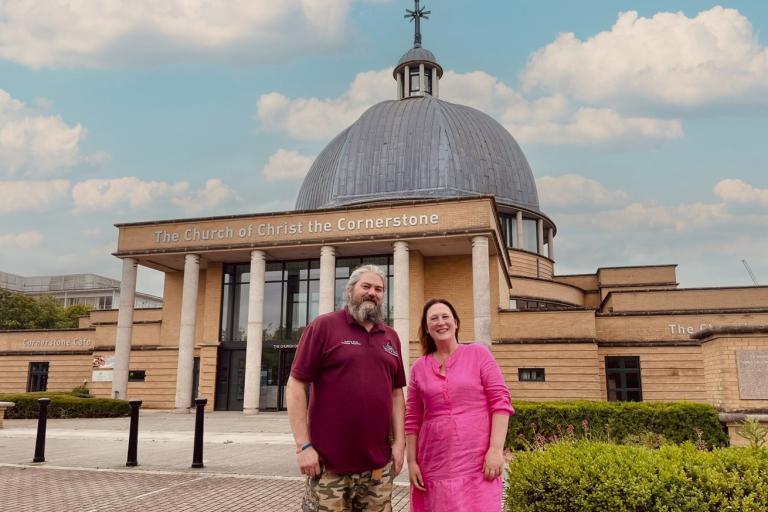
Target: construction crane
pixel 749 271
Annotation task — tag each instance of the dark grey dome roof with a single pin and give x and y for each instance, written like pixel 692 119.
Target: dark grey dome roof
pixel 417 54
pixel 419 148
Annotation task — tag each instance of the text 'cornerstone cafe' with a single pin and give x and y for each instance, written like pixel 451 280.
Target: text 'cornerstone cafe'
pixel 442 197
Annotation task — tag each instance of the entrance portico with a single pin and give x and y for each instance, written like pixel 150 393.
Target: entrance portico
pixel 251 291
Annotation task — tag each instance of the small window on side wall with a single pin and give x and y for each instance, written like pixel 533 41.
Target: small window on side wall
pixel 530 374
pixel 137 375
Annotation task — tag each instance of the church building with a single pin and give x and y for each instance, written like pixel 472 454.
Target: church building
pixel 442 197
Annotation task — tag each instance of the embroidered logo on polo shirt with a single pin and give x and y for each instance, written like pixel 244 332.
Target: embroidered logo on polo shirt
pixel 350 342
pixel 390 349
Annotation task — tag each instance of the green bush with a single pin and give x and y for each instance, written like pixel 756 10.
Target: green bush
pixel 589 476
pixel 64 405
pixel 617 422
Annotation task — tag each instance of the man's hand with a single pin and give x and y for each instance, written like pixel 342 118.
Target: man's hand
pixel 398 455
pixel 309 462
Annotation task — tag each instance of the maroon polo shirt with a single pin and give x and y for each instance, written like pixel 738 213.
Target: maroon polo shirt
pixel 353 373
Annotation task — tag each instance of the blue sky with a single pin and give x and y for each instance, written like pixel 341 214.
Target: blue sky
pixel 644 122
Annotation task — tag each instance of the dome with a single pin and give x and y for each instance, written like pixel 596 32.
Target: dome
pixel 419 148
pixel 417 55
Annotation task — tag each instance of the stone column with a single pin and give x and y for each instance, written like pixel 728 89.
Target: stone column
pixel 422 80
pixel 407 81
pixel 520 232
pixel 551 243
pixel 187 332
pixel 327 279
pixel 124 330
pixel 435 82
pixel 481 289
pixel 253 345
pixel 540 236
pixel 399 86
pixel 401 301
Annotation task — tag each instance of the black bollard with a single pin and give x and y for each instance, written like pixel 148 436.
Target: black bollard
pixel 42 421
pixel 197 454
pixel 133 436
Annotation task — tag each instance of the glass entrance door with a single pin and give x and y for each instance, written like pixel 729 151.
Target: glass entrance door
pixel 230 380
pixel 285 359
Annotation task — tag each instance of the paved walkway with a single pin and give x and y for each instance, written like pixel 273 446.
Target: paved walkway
pixel 249 465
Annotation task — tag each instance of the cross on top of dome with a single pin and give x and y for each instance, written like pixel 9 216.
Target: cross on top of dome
pixel 415 15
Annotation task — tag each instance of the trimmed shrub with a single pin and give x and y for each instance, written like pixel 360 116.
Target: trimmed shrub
pixel 64 405
pixel 617 422
pixel 591 476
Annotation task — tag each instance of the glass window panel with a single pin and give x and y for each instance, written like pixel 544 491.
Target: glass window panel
pixel 631 362
pixel 340 299
pixel 226 327
pixel 613 395
pixel 274 271
pixel 428 85
pixel 314 269
pixel 314 300
pixel 612 362
pixel 345 266
pixel 295 270
pixel 634 396
pixel 272 303
pixel 296 308
pixel 614 382
pixel 530 235
pixel 268 391
pixel 379 261
pixel 415 80
pixel 633 379
pixel 243 273
pixel 241 313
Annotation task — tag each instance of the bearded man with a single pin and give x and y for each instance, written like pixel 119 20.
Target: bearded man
pixel 352 443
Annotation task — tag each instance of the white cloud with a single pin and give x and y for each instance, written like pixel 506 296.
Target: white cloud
pixel 23 240
pixel 214 194
pixel 32 195
pixel 286 165
pixel 102 194
pixel 132 192
pixel 573 190
pixel 32 144
pixel 549 120
pixel 737 191
pixel 669 58
pixel 83 33
pixel 319 119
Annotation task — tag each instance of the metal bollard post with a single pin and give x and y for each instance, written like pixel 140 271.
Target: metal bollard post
pixel 133 436
pixel 42 421
pixel 197 454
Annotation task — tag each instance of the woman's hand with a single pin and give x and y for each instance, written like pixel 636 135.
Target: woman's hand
pixel 414 475
pixel 494 463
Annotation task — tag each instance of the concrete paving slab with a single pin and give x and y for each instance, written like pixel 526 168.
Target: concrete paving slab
pixel 249 462
pixel 80 490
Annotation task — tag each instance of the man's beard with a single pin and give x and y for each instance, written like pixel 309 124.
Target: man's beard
pixel 366 310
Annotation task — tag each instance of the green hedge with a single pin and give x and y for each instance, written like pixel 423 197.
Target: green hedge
pixel 593 476
pixel 618 422
pixel 64 405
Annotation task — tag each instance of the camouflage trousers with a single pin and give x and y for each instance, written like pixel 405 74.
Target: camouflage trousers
pixel 357 492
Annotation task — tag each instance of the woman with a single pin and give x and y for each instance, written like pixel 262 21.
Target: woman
pixel 458 408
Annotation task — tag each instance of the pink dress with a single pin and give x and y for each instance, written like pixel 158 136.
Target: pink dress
pixel 451 415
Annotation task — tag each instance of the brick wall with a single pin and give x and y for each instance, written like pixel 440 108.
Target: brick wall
pixel 571 370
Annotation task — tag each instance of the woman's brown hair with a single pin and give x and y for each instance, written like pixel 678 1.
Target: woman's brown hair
pixel 427 343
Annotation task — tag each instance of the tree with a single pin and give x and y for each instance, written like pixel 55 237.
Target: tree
pixel 19 311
